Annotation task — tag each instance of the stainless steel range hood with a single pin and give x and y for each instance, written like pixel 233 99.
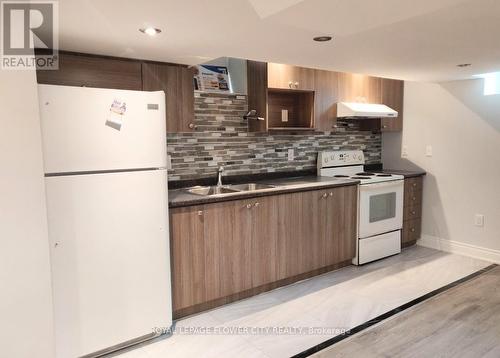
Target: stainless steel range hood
pixel 364 110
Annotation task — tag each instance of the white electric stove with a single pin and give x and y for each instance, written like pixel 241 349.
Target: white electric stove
pixel 380 204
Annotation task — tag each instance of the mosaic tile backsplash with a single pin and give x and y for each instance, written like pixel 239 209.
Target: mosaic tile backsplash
pixel 221 138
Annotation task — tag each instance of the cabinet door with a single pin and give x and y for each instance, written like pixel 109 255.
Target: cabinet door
pixel 228 235
pixel 290 77
pixel 188 256
pixel 392 96
pixel 257 94
pixel 312 255
pixel 177 82
pixel 359 88
pixel 236 271
pixel 264 264
pixel 94 71
pixel 342 209
pixel 326 97
pixel 303 78
pixel 289 235
pixel 299 233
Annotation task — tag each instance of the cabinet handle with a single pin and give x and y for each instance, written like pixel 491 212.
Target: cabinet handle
pixel 384 126
pixel 413 212
pixel 296 85
pixel 412 229
pixel 200 213
pixel 249 206
pixel 331 193
pixel 256 204
pixel 290 84
pixel 324 196
pixel 414 184
pixel 192 126
pixel 414 198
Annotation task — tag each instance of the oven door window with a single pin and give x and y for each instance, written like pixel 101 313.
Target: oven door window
pixel 382 207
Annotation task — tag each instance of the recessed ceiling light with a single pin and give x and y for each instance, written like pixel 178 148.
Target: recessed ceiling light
pixel 322 38
pixel 464 65
pixel 151 31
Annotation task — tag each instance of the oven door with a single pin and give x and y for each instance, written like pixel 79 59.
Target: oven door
pixel 380 208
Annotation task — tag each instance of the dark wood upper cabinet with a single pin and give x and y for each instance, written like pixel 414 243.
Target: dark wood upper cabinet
pixel 177 82
pixel 393 96
pixel 290 77
pixel 257 94
pixel 355 87
pixel 308 95
pixel 326 97
pixel 94 71
pixel 77 69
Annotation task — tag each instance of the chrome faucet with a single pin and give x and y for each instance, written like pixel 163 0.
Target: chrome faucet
pixel 219 176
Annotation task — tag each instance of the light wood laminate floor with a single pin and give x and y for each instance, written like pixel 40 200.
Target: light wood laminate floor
pixel 461 322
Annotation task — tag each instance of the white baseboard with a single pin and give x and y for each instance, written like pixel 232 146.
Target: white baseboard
pixel 461 248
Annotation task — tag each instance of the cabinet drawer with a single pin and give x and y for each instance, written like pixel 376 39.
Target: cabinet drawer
pixel 411 230
pixel 413 188
pixel 412 212
pixel 412 199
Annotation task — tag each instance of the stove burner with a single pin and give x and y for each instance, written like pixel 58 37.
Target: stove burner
pixel 365 174
pixel 341 176
pixel 384 175
pixel 360 177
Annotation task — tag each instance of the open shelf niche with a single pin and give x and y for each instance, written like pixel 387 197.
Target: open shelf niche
pixel 298 103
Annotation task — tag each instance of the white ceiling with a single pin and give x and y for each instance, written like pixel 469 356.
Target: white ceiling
pixel 420 40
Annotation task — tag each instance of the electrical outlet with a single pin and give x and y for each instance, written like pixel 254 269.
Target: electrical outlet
pixel 404 151
pixel 284 115
pixel 428 150
pixel 291 155
pixel 479 220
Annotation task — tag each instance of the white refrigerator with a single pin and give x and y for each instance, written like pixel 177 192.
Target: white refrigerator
pixel 106 182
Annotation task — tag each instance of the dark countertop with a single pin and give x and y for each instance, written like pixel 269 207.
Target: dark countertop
pixel 405 173
pixel 180 197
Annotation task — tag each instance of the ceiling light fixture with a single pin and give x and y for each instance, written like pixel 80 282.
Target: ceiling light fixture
pixel 322 38
pixel 151 31
pixel 464 65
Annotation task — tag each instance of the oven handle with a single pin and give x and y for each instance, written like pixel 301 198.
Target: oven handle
pixel 383 184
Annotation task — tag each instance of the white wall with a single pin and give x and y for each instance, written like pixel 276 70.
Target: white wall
pixel 26 316
pixel 463 175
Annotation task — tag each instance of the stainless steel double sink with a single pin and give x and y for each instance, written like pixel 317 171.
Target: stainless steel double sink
pixel 228 189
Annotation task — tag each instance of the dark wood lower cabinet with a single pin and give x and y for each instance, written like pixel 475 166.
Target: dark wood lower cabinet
pixel 299 233
pixel 412 214
pixel 343 205
pixel 264 239
pixel 187 247
pixel 225 251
